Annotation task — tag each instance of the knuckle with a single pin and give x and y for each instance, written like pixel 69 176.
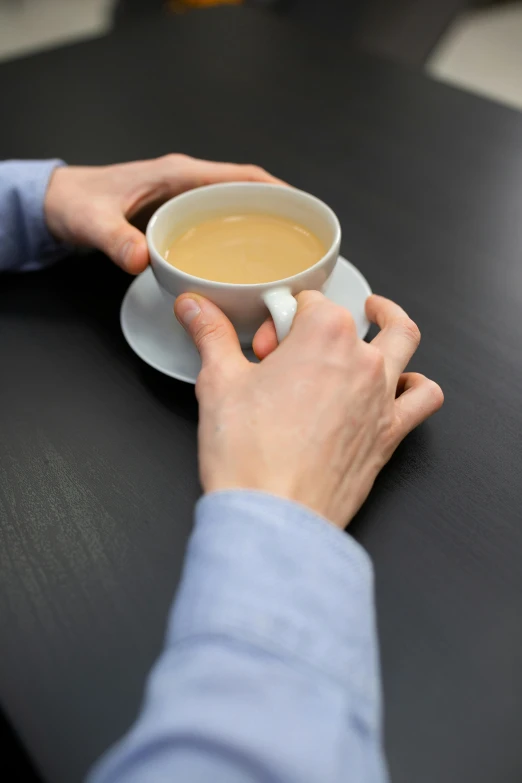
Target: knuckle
pixel 336 322
pixel 437 395
pixel 174 159
pixel 410 330
pixel 310 300
pixel 254 171
pixel 115 240
pixel 209 332
pixel 375 363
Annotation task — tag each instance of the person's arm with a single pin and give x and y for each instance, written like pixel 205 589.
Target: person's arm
pixel 46 208
pixel 25 241
pixel 270 669
pixel 270 672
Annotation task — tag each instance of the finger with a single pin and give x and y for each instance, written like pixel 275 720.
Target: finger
pixel 399 337
pixel 123 243
pixel 320 327
pixel 206 172
pixel 419 398
pixel 319 315
pixel 306 300
pixel 212 333
pixel 322 319
pixel 265 339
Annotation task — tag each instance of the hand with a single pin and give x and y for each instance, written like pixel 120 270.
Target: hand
pixel 319 417
pixel 87 205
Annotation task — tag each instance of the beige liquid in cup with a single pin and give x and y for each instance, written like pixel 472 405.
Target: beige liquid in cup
pixel 245 248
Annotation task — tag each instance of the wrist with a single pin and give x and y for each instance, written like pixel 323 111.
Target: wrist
pixel 54 203
pixel 321 505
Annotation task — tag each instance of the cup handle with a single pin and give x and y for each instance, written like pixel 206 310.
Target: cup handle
pixel 283 307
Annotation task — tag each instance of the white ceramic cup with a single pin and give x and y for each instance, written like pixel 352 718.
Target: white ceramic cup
pixel 246 305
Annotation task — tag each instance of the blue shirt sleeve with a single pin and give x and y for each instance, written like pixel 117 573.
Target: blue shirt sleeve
pixel 25 242
pixel 270 666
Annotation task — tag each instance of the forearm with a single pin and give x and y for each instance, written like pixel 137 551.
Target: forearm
pixel 270 670
pixel 25 242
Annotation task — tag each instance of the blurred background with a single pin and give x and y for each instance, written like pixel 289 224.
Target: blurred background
pixel 473 44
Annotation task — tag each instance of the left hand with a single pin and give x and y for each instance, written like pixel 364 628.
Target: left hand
pixel 92 205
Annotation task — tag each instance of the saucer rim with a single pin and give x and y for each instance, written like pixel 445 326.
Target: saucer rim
pixel 180 376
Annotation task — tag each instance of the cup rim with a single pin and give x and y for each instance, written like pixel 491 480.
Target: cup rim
pixel 225 185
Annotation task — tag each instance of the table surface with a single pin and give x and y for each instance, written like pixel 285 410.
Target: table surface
pixel 98 452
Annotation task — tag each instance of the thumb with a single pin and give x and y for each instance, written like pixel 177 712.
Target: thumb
pixel 212 333
pixel 123 243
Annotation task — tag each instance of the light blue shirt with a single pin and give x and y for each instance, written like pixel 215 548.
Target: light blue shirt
pixel 270 671
pixel 25 242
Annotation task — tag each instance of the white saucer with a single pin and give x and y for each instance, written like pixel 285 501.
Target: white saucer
pixel 152 331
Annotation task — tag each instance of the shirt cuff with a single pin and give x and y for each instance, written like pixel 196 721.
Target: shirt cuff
pixel 32 179
pixel 272 573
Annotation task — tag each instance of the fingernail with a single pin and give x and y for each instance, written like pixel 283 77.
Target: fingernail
pixel 187 310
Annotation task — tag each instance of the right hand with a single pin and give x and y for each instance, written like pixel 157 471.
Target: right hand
pixel 319 417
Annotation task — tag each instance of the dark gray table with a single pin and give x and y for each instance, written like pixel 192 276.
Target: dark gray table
pixel 98 452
